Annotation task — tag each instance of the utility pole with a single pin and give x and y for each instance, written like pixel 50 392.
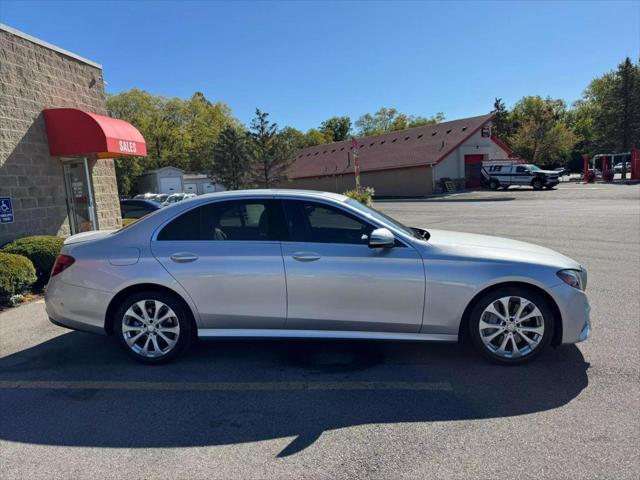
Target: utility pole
pixel 356 162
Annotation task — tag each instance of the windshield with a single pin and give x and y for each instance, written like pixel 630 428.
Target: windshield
pixel 384 218
pixel 532 168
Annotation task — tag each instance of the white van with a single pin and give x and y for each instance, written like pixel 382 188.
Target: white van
pixel 501 173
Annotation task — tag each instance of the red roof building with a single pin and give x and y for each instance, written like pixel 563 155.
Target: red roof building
pixel 403 163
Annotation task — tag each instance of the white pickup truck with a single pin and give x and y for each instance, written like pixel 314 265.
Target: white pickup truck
pixel 504 174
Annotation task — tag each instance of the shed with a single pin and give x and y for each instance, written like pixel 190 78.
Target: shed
pixel 162 180
pixel 199 183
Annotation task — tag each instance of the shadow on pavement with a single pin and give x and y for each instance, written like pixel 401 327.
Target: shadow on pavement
pixel 180 418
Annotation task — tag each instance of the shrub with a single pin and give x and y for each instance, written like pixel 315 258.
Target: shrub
pixel 16 275
pixel 42 250
pixel 364 196
pixel 128 221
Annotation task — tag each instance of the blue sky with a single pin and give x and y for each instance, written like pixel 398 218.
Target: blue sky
pixel 304 62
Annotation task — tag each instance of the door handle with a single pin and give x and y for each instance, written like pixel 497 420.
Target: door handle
pixel 184 257
pixel 306 256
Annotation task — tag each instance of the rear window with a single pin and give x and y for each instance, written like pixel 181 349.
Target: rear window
pixel 246 220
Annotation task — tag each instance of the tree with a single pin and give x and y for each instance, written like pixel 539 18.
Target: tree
pixel 230 159
pixel 614 103
pixel 336 129
pixel 180 133
pixel 204 121
pixel 271 152
pixel 542 135
pixel 387 120
pixel 316 137
pixel 501 123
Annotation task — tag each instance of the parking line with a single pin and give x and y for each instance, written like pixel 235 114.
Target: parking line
pixel 222 386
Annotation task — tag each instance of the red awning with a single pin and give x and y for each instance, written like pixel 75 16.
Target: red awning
pixel 73 132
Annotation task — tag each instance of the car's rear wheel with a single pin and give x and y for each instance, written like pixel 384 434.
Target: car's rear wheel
pixel 511 325
pixel 153 327
pixel 494 184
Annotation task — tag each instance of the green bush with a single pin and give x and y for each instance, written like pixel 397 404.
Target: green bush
pixel 16 275
pixel 128 221
pixel 42 250
pixel 364 196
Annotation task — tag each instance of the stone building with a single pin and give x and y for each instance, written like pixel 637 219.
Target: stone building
pixel 57 173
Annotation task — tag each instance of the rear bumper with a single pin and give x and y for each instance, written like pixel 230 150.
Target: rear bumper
pixel 576 313
pixel 78 308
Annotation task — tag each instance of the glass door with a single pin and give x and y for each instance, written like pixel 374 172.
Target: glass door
pixel 82 215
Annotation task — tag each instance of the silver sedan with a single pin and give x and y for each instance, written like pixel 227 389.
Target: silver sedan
pixel 299 264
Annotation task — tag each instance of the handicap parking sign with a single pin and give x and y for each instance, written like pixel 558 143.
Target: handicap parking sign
pixel 6 210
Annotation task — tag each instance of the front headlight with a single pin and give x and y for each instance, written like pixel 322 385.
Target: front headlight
pixel 574 278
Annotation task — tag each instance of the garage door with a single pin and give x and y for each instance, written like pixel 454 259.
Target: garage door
pixel 472 170
pixel 170 185
pixel 190 188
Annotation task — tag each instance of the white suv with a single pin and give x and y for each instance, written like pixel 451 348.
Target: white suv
pixel 504 174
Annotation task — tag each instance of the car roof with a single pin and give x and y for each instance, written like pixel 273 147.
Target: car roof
pixel 275 192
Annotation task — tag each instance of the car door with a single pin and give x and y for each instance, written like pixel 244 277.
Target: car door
pixel 227 256
pixel 522 176
pixel 336 282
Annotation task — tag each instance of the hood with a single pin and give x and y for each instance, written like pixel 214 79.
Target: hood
pixel 498 248
pixel 547 172
pixel 88 236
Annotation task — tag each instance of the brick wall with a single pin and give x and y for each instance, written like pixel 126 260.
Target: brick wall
pixel 105 193
pixel 32 78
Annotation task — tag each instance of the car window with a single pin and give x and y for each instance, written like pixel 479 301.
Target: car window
pixel 246 220
pixel 320 223
pixel 520 169
pixel 186 227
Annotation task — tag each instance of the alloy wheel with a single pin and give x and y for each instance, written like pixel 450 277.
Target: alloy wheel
pixel 511 327
pixel 150 328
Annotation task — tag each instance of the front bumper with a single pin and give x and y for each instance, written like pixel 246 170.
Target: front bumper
pixel 575 311
pixel 78 308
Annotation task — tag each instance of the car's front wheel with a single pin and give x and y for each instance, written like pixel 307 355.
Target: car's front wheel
pixel 537 184
pixel 511 325
pixel 152 327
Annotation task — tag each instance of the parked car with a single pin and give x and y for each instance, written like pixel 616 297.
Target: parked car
pixel 177 197
pixel 287 263
pixel 137 208
pixel 561 171
pixel 146 196
pixel 617 168
pixel 505 174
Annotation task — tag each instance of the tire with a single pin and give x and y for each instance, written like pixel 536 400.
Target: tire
pixel 494 184
pixel 511 342
pixel 537 184
pixel 172 338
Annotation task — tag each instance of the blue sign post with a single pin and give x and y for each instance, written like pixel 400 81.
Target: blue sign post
pixel 6 210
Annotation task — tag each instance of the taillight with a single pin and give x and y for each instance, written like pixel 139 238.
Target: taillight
pixel 62 263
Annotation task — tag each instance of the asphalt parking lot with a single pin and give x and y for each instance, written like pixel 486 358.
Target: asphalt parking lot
pixel 72 405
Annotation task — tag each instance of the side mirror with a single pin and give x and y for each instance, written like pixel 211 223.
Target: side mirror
pixel 381 238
